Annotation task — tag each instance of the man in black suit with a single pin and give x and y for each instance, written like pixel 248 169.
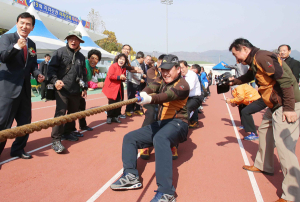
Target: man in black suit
pixel 19 60
pixel 285 51
pixel 44 69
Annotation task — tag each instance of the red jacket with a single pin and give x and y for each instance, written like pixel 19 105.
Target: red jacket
pixel 112 83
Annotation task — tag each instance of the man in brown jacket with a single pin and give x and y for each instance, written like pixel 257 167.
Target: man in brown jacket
pixel 280 125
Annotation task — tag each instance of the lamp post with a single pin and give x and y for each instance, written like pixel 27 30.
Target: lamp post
pixel 167 2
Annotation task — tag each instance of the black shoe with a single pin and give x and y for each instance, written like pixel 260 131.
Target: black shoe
pixel 115 119
pixel 76 134
pixel 23 155
pixel 122 116
pixel 57 147
pixel 108 121
pixel 86 128
pixel 69 137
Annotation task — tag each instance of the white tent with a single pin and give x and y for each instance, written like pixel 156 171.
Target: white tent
pixel 45 41
pixel 89 44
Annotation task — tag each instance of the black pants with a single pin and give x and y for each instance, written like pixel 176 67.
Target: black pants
pixel 150 114
pixel 246 114
pixel 43 89
pixel 193 103
pixel 116 112
pixel 241 107
pixel 131 91
pixel 162 135
pixel 65 102
pixel 82 122
pixel 19 109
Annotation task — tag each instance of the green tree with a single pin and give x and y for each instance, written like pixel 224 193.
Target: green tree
pixel 2 31
pixel 111 43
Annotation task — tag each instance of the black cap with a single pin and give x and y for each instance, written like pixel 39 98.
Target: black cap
pixel 169 61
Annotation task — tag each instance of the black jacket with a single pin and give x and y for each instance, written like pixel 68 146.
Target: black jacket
pixel 295 66
pixel 63 59
pixel 44 69
pixel 14 72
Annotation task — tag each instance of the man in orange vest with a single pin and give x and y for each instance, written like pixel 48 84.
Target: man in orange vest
pixel 247 95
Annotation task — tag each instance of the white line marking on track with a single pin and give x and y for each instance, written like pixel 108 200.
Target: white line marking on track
pixel 254 184
pixel 8 160
pixel 55 105
pixel 107 184
pixel 104 187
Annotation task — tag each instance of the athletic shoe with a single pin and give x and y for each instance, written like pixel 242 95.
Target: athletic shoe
pixel 122 116
pixel 91 89
pixel 194 124
pixel 241 127
pixel 69 137
pixel 57 147
pixel 127 181
pixel 76 134
pixel 201 107
pixel 116 120
pixel 108 121
pixel 251 137
pixel 174 153
pixel 138 112
pixel 161 197
pixel 129 114
pixel 145 153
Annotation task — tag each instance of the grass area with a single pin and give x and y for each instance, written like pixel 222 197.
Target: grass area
pixel 198 62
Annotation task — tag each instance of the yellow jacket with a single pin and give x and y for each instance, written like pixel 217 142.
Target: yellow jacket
pixel 244 94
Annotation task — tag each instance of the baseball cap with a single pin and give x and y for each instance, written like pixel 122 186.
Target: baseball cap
pixel 75 33
pixel 169 61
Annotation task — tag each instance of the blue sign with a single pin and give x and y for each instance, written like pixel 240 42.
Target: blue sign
pixel 41 7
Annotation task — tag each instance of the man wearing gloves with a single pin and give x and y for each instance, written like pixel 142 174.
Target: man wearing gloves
pixel 172 92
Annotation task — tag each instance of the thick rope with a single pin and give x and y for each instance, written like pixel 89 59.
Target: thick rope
pixel 38 126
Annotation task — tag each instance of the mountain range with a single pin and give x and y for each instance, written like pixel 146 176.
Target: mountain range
pixel 212 56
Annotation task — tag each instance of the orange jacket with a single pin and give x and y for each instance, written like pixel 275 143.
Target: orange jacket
pixel 244 94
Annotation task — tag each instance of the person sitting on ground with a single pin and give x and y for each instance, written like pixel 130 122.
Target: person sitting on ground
pixel 133 85
pixel 113 86
pixel 252 101
pixel 151 109
pixel 172 128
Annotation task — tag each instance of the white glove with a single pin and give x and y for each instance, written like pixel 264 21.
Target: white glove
pixel 94 79
pixel 146 99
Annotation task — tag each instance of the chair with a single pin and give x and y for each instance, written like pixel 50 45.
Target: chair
pixel 35 85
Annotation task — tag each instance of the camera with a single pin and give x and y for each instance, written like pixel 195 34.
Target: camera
pixel 223 83
pixel 80 82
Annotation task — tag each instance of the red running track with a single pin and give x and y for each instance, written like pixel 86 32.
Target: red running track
pixel 209 167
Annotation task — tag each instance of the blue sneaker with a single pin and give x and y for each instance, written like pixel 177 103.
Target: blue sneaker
pixel 161 197
pixel 250 137
pixel 241 127
pixel 127 181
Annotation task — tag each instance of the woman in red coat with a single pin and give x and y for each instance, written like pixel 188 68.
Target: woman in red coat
pixel 113 86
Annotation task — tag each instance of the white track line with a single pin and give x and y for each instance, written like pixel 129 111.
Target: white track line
pixel 55 105
pixel 8 160
pixel 107 184
pixel 255 187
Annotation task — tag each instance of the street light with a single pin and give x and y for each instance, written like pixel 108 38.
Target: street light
pixel 167 2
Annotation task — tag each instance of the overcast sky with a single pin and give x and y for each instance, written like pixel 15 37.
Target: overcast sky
pixel 194 25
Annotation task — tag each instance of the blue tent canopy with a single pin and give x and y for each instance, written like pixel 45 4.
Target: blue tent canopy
pixel 221 67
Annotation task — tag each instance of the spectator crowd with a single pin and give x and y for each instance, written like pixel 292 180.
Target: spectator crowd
pixel 170 95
